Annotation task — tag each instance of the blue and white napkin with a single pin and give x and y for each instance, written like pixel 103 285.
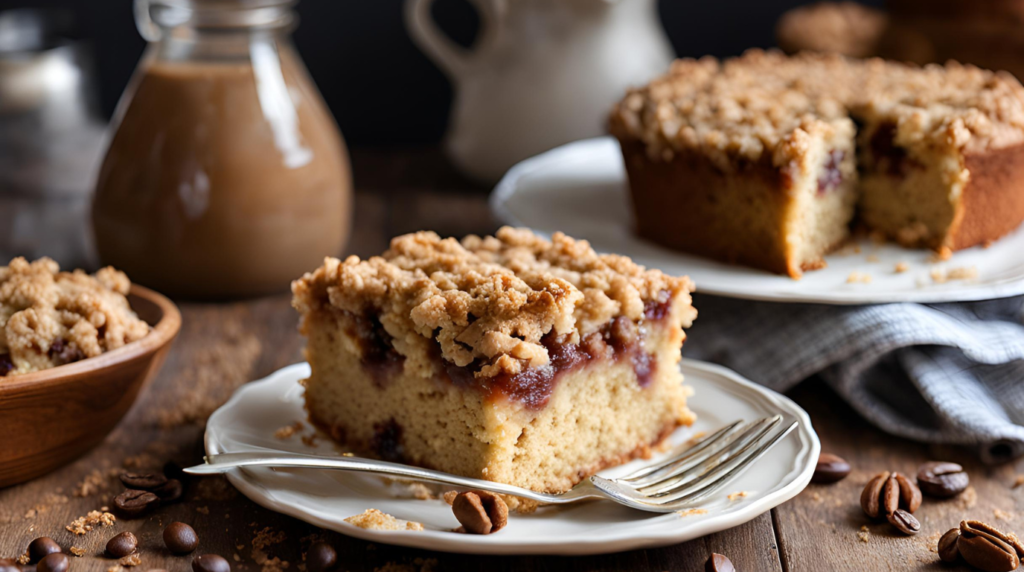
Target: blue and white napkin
pixel 942 373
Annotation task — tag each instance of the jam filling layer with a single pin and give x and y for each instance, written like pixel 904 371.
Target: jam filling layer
pixel 890 158
pixel 621 340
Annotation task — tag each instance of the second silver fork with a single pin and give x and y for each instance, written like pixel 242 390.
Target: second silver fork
pixel 688 475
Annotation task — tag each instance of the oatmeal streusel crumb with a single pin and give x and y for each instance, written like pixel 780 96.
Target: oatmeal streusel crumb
pixel 490 300
pixel 49 318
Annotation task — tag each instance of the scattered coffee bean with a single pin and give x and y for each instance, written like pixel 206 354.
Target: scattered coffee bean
pixel 8 565
pixel 210 563
pixel 143 481
pixel 987 548
pixel 180 538
pixel 169 491
pixel 942 480
pixel 718 563
pixel 132 503
pixel 480 512
pixel 122 545
pixel 321 557
pixel 886 492
pixel 904 522
pixel 830 469
pixel 948 551
pixel 910 495
pixel 41 548
pixel 56 562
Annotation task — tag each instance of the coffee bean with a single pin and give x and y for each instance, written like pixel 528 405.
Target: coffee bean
pixel 143 481
pixel 830 469
pixel 480 512
pixel 886 492
pixel 321 557
pixel 904 522
pixel 942 480
pixel 132 503
pixel 41 548
pixel 987 548
pixel 210 563
pixel 890 496
pixel 180 538
pixel 718 563
pixel 871 496
pixel 56 562
pixel 947 550
pixel 169 491
pixel 910 495
pixel 122 545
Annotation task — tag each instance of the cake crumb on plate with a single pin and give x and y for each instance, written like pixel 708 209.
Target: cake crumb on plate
pixel 288 430
pixel 691 512
pixel 374 519
pixel 961 273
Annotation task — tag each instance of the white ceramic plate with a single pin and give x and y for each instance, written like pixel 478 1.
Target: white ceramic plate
pixel 580 189
pixel 249 420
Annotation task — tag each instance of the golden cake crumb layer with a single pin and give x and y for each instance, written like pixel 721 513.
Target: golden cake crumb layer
pixel 491 299
pixel 48 317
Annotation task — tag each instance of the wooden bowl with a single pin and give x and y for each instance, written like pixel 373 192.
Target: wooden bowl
pixel 49 418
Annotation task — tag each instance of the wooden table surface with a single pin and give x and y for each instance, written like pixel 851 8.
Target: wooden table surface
pixel 223 345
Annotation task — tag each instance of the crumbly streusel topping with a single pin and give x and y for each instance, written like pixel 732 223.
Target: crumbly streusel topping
pixel 48 317
pixel 491 298
pixel 764 102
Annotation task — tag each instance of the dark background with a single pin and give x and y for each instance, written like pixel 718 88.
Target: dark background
pixel 381 88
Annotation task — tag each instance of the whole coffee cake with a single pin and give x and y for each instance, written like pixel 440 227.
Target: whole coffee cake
pixel 761 159
pixel 49 318
pixel 509 358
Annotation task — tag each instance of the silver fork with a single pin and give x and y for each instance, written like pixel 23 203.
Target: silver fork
pixel 689 474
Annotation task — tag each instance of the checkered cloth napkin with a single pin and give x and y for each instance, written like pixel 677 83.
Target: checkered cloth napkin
pixel 942 373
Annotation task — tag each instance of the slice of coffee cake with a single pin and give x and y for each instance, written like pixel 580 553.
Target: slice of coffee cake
pixel 508 358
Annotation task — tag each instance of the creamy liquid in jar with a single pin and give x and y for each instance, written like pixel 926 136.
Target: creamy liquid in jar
pixel 223 179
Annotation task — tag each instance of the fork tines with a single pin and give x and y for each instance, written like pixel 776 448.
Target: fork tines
pixel 694 471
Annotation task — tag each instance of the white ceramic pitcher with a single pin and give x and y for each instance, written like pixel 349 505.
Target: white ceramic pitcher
pixel 543 73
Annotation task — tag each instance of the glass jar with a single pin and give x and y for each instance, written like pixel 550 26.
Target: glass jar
pixel 226 174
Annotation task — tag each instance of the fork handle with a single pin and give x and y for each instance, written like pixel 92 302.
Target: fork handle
pixel 224 462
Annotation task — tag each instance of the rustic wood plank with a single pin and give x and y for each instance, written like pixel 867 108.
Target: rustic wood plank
pixel 823 524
